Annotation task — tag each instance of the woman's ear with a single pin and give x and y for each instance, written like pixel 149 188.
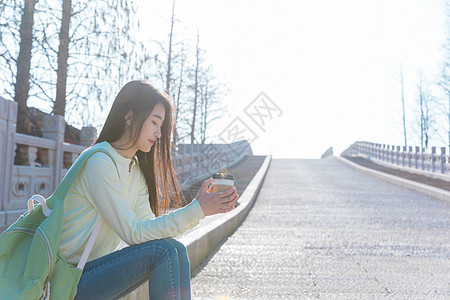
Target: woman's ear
pixel 129 117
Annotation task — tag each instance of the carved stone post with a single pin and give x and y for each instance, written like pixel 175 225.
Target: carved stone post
pixel 403 156
pixel 386 155
pixel 88 136
pixel 392 153
pixel 443 168
pixel 433 159
pixel 54 129
pixel 422 157
pixel 379 151
pixel 8 119
pixel 409 156
pixel 416 157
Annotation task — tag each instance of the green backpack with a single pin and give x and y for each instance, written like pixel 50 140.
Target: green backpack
pixel 31 265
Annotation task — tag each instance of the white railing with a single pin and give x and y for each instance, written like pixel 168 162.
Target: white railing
pixel 194 162
pixel 414 159
pixel 46 160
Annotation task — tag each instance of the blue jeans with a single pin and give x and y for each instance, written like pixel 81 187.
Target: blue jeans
pixel 163 263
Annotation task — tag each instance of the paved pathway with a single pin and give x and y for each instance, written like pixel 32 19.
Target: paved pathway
pixel 322 230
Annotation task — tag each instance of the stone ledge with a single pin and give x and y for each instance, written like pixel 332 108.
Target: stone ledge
pixel 409 184
pixel 204 239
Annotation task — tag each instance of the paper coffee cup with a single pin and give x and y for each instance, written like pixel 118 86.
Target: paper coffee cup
pixel 222 182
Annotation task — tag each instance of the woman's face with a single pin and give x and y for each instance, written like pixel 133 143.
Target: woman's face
pixel 151 129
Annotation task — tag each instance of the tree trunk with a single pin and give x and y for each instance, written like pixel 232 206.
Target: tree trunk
pixel 22 86
pixel 403 106
pixel 59 107
pixel 195 92
pixel 422 121
pixel 202 110
pixel 169 57
pixel 205 99
pixel 446 86
pixel 178 99
pixel 448 94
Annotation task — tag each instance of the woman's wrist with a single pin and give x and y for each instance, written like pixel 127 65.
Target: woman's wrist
pixel 200 212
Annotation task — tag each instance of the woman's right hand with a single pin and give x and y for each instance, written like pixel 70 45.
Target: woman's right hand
pixel 214 203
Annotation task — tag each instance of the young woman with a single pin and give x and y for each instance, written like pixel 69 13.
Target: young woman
pixel 131 193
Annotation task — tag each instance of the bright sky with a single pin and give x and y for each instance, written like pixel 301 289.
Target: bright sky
pixel 330 66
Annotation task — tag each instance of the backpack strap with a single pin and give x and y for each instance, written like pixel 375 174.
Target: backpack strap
pixel 61 191
pixel 90 244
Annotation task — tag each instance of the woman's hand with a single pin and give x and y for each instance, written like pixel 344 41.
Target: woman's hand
pixel 214 203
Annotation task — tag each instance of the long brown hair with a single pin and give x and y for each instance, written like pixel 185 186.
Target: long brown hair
pixel 140 97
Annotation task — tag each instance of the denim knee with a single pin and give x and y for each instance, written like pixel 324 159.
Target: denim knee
pixel 167 250
pixel 181 248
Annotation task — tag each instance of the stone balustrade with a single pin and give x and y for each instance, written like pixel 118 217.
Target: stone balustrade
pixel 44 161
pixel 410 158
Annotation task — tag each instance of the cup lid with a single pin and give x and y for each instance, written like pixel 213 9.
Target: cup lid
pixel 223 176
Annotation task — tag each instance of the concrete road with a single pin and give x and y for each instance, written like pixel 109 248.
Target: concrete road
pixel 322 230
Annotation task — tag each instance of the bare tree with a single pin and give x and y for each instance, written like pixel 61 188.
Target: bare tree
pixel 23 63
pixel 205 96
pixel 195 88
pixel 10 19
pixel 59 107
pixel 196 94
pixel 210 109
pixel 178 85
pixel 178 92
pixel 426 114
pixel 172 72
pixel 422 116
pixel 444 79
pixel 444 83
pixel 169 56
pixel 403 106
